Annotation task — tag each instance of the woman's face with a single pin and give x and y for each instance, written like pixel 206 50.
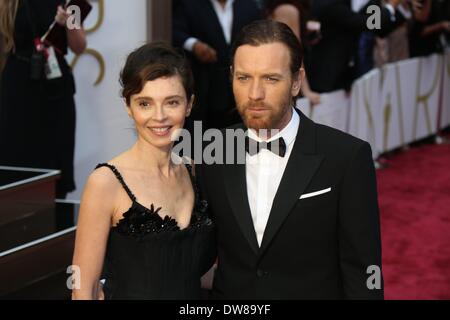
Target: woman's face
pixel 159 110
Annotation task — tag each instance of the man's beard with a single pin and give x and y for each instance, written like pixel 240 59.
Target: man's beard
pixel 269 120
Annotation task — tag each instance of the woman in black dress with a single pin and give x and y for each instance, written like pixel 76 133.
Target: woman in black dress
pixel 37 117
pixel 143 226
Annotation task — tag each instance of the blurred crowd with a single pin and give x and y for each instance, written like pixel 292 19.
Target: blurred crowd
pixel 342 40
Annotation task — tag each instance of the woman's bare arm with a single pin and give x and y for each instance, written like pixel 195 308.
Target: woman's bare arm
pixel 76 37
pixel 94 223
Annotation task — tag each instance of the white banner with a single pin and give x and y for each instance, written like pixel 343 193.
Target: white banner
pixel 445 108
pixel 365 113
pixel 396 102
pixel 332 110
pixel 427 89
pixel 103 127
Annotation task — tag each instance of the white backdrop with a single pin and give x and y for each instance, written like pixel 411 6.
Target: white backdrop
pixel 364 109
pixel 103 127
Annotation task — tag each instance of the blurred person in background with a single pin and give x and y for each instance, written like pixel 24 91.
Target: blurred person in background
pixel 333 58
pixel 430 32
pixel 395 46
pixel 206 29
pixel 37 115
pixel 296 14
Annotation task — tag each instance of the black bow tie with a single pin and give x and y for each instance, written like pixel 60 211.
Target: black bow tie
pixel 277 146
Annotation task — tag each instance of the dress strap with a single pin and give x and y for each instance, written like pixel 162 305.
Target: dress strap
pixel 119 177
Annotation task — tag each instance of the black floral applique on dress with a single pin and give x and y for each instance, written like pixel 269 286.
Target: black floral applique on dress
pixel 150 257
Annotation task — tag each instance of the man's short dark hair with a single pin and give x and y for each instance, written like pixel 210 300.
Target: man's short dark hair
pixel 269 31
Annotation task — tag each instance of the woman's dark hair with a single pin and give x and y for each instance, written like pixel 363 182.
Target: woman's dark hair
pixel 268 31
pixel 153 61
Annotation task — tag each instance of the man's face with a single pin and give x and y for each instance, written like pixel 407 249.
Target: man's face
pixel 263 85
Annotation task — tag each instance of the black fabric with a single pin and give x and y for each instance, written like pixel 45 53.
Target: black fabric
pixel 313 248
pixel 37 118
pixel 150 257
pixel 425 45
pixel 328 65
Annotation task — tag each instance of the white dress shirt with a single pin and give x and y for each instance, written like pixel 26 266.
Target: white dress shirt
pixel 358 4
pixel 264 171
pixel 225 16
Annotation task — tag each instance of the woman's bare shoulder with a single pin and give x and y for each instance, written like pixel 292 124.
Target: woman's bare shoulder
pixel 105 177
pixel 102 180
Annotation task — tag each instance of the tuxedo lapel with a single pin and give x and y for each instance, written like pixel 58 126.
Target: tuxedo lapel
pixel 236 189
pixel 301 167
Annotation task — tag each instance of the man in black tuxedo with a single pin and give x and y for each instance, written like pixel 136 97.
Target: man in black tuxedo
pixel 299 221
pixel 206 29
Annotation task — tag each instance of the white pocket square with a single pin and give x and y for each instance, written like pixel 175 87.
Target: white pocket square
pixel 315 193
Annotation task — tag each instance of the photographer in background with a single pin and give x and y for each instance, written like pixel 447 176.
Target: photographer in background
pixel 37 115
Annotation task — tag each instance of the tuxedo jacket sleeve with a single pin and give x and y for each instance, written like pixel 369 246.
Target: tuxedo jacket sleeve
pixel 181 28
pixel 358 226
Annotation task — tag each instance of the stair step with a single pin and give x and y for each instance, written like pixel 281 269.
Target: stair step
pixel 25 191
pixel 30 257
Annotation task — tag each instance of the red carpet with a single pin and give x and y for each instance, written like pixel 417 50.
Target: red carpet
pixel 414 198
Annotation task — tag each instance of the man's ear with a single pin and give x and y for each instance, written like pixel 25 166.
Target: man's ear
pixel 297 81
pixel 190 105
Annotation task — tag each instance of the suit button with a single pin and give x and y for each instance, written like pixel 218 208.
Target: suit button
pixel 260 273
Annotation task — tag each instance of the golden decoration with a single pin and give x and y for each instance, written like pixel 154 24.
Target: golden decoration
pixel 424 98
pixel 97 57
pixel 101 15
pixel 387 114
pixel 367 107
pixel 400 105
pixel 92 52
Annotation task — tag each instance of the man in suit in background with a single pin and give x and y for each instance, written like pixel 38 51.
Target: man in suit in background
pixel 300 221
pixel 332 58
pixel 206 29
